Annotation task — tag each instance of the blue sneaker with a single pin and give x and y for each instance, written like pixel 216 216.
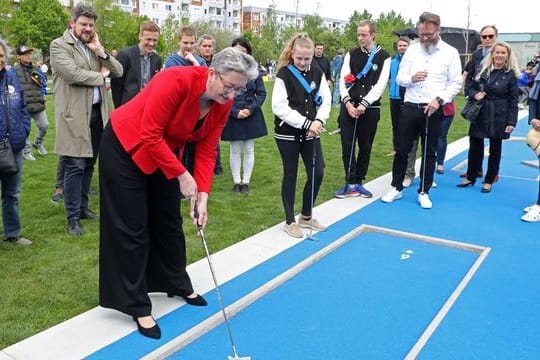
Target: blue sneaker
pixel 349 191
pixel 365 193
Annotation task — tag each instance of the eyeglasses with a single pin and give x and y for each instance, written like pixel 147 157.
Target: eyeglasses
pixel 229 88
pixel 427 34
pixel 490 36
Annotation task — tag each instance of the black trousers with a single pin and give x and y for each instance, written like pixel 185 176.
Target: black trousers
pixel 142 245
pixel 364 136
pixel 412 123
pixel 289 151
pixel 476 156
pixel 395 110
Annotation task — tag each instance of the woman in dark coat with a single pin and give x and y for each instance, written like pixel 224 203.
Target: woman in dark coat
pixel 496 85
pixel 246 123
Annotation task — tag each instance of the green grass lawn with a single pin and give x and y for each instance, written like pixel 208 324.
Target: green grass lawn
pixel 57 277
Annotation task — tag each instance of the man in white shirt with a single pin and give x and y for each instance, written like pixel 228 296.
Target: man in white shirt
pixel 431 73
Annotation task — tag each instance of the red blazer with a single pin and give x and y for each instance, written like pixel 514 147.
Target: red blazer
pixel 162 117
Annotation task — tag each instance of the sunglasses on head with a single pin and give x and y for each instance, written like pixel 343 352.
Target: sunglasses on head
pixel 490 36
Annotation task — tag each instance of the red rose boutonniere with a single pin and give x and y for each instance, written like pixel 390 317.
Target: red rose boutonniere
pixel 349 80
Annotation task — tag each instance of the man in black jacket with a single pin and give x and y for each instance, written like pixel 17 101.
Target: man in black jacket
pixel 322 61
pixel 140 63
pixel 32 82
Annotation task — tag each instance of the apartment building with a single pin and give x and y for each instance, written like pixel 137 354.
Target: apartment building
pixel 221 14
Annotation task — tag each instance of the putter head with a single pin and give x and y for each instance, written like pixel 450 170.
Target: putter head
pixel 236 357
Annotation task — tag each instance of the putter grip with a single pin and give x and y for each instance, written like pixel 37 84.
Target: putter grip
pixel 196 215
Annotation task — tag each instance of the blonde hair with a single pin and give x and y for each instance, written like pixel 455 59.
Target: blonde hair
pixel 511 62
pixel 299 40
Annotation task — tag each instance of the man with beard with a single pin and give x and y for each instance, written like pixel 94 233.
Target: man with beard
pixel 431 73
pixel 79 68
pixel 140 63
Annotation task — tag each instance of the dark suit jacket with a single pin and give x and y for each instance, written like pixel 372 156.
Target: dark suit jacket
pixel 129 85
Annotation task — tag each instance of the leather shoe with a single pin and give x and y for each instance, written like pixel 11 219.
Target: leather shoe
pixel 75 227
pixel 154 332
pixel 89 215
pixel 196 301
pixel 486 188
pixel 466 183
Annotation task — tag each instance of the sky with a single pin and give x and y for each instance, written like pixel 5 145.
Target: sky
pixel 517 15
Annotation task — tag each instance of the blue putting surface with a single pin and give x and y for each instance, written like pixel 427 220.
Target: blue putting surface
pixel 364 301
pixel 370 298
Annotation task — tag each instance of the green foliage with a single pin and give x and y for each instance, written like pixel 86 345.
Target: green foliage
pixel 116 28
pixel 36 23
pixel 168 42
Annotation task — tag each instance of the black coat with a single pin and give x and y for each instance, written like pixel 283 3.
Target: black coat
pixel 254 126
pixel 500 104
pixel 130 84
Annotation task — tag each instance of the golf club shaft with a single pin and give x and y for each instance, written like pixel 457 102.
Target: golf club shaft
pixel 313 160
pixel 218 292
pixel 351 156
pixel 211 265
pixel 424 155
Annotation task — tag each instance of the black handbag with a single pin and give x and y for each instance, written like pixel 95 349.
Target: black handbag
pixel 8 165
pixel 472 110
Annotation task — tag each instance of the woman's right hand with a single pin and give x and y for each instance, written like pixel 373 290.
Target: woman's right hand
pixel 479 95
pixel 188 186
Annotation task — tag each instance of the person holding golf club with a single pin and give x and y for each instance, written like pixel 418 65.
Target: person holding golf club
pixel 431 73
pixel 301 103
pixel 364 76
pixel 142 243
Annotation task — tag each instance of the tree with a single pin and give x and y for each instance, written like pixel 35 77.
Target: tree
pixel 168 42
pixel 116 28
pixel 36 23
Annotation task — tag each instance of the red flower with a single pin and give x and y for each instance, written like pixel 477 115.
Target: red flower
pixel 349 80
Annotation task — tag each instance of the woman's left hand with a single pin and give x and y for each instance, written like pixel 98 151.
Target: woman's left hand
pixel 202 213
pixel 509 129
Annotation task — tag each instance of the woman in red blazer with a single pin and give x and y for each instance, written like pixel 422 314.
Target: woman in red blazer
pixel 142 244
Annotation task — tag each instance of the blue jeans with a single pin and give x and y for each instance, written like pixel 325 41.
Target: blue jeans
pixel 442 142
pixel 11 188
pixel 335 93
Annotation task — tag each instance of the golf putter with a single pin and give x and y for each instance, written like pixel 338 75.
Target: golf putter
pixel 310 236
pixel 218 292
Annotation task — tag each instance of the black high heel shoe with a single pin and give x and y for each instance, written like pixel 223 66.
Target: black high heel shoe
pixel 196 301
pixel 486 188
pixel 466 183
pixel 154 332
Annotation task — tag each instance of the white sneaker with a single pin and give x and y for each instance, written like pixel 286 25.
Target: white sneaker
pixel 424 201
pixel 407 181
pixel 393 194
pixel 40 148
pixel 532 216
pixel 293 230
pixel 433 184
pixel 532 207
pixel 28 156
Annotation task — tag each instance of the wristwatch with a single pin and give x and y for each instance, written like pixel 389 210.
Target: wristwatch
pixel 441 101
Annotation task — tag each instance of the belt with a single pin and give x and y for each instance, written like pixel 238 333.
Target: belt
pixel 96 106
pixel 415 105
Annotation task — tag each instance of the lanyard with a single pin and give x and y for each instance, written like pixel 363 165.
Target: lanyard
pixel 316 97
